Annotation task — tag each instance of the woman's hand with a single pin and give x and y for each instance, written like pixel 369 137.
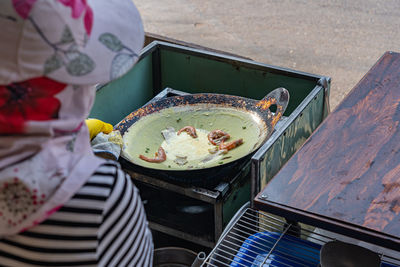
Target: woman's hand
pixel 97 126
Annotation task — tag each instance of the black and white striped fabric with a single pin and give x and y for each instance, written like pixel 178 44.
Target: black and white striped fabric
pixel 104 224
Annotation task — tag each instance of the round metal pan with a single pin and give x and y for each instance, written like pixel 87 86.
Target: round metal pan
pixel 241 117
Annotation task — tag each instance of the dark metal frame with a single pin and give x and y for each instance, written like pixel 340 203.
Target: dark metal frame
pixel 214 197
pixel 330 224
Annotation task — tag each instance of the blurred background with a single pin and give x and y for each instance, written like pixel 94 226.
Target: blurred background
pixel 341 39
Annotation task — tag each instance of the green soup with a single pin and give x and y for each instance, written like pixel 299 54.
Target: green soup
pixel 145 136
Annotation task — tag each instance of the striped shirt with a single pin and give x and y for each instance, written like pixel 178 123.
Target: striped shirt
pixel 104 224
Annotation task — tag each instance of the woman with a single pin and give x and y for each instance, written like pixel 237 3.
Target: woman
pixel 59 204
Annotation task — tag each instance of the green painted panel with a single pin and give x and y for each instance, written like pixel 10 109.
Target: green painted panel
pixel 292 139
pixel 195 74
pixel 118 98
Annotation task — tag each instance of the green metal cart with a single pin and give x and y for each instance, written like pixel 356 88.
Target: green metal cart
pixel 196 70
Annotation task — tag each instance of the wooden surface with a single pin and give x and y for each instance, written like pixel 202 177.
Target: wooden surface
pixel 349 169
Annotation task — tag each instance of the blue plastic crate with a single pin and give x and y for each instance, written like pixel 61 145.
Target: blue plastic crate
pixel 290 251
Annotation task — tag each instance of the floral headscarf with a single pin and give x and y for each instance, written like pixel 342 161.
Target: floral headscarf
pixel 52 52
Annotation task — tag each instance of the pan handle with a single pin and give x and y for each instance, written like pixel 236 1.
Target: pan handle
pixel 278 97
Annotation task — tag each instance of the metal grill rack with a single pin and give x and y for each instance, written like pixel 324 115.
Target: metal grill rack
pixel 256 238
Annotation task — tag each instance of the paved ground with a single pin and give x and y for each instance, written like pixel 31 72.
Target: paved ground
pixel 338 38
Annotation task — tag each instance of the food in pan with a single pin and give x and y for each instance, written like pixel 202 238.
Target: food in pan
pixel 229 146
pixel 217 136
pixel 159 157
pixel 248 122
pixel 190 130
pixel 183 149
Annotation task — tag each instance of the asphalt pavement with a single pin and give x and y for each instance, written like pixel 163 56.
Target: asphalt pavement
pixel 341 39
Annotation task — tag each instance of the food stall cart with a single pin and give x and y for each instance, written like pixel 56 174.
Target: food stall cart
pixel 198 214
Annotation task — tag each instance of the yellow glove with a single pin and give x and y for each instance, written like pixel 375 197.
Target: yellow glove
pixel 97 126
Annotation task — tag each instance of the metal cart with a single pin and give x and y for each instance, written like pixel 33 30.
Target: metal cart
pixel 195 70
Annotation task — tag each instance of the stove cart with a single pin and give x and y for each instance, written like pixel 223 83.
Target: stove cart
pixel 199 213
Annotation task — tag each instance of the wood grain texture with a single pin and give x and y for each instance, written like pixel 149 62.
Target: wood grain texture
pixel 349 169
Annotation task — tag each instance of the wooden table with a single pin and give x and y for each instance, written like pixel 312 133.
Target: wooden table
pixel 346 177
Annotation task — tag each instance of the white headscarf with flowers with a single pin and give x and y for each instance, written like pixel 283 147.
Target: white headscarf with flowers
pixel 52 52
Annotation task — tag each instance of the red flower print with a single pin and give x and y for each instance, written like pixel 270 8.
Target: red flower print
pixel 23 7
pixel 78 7
pixel 27 101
